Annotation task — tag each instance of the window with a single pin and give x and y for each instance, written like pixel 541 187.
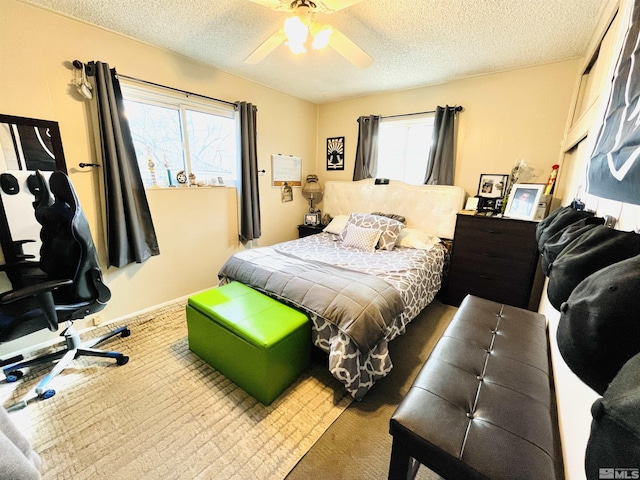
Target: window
pixel 403 148
pixel 172 133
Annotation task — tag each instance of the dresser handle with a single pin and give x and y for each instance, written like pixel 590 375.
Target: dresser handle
pixel 493 231
pixel 485 254
pixel 484 277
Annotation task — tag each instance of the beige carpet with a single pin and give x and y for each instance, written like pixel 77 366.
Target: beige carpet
pixel 168 415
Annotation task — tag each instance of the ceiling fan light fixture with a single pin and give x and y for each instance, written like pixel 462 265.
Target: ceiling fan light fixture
pixel 321 35
pixel 296 32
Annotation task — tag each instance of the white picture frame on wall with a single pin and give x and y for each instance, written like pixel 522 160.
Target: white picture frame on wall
pixel 523 200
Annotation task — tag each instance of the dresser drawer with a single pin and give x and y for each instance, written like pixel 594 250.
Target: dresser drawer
pixel 496 267
pixel 502 233
pixel 484 256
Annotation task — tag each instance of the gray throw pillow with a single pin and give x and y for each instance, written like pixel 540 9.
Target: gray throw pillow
pixel 390 228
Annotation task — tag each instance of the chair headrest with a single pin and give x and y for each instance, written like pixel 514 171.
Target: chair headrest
pixel 62 189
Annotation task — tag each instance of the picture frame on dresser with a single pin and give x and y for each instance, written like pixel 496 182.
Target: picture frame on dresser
pixel 312 219
pixel 523 200
pixel 492 185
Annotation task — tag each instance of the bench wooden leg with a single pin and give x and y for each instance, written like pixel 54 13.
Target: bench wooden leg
pixel 402 466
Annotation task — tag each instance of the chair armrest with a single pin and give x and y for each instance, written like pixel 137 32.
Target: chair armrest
pixel 32 290
pixel 40 296
pixel 20 264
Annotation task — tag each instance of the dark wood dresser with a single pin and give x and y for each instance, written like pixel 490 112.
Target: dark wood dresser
pixel 497 259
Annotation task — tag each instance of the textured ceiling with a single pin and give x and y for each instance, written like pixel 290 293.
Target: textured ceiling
pixel 413 43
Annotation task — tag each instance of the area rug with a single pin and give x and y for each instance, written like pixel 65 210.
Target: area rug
pixel 167 414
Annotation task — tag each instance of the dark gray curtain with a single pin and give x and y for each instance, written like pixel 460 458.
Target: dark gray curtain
pixel 131 236
pixel 440 162
pixel 248 184
pixel 367 148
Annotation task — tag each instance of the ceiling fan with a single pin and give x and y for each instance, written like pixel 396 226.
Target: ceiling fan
pixel 300 26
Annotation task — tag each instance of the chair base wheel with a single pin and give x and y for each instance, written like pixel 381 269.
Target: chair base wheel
pixel 14 376
pixel 125 333
pixel 46 394
pixel 122 360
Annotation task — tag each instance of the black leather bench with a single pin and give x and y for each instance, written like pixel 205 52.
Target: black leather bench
pixel 483 405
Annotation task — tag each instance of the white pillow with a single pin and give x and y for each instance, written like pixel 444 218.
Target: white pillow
pixel 337 224
pixel 414 238
pixel 361 238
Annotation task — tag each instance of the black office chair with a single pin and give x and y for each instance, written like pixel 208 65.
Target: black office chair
pixel 73 288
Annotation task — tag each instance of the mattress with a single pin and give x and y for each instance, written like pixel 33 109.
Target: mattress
pixel 416 274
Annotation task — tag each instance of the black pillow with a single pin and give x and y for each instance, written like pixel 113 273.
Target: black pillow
pixel 599 327
pixel 599 247
pixel 615 429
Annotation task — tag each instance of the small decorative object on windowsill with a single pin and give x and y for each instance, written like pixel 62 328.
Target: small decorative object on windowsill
pixel 181 178
pixel 152 169
pixel 312 191
pixel 192 180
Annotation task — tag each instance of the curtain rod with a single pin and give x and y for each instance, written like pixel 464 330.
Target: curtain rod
pixel 184 92
pixel 78 64
pixel 458 108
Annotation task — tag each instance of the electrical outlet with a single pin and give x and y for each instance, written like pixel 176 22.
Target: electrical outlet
pixel 97 319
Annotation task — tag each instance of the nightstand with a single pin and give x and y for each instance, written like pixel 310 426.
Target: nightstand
pixel 306 230
pixel 497 259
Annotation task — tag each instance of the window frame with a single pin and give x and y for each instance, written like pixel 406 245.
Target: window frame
pixel 407 120
pixel 181 102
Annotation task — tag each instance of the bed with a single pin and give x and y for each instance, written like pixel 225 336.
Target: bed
pixel 360 282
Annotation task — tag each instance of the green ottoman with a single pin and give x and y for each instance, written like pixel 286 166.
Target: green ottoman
pixel 257 342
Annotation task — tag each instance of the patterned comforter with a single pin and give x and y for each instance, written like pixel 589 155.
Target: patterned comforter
pixel 416 274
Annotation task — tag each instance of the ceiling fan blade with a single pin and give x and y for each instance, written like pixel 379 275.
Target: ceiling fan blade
pixel 266 47
pixel 282 5
pixel 349 50
pixel 330 6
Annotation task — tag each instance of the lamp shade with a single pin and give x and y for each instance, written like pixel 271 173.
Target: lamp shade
pixel 312 191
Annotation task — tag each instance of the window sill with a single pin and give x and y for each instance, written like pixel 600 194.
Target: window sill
pixel 186 187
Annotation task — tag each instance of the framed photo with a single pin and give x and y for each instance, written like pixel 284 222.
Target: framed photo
pixel 523 200
pixel 312 219
pixel 492 185
pixel 335 153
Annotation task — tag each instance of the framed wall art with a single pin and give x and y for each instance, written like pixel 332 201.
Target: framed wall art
pixel 335 153
pixel 492 185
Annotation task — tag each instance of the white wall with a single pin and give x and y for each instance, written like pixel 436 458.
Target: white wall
pixel 507 116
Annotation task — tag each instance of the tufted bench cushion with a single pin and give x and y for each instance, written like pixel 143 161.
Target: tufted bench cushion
pixel 483 404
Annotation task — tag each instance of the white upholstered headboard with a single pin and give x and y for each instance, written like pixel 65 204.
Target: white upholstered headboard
pixel 431 208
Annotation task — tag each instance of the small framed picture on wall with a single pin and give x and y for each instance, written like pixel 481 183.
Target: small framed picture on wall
pixel 335 153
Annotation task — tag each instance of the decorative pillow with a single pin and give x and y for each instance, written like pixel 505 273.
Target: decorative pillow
pixel 414 238
pixel 390 228
pixel 337 224
pixel 361 238
pixel 392 216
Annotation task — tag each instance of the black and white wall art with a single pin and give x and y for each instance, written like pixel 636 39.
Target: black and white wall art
pixel 614 167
